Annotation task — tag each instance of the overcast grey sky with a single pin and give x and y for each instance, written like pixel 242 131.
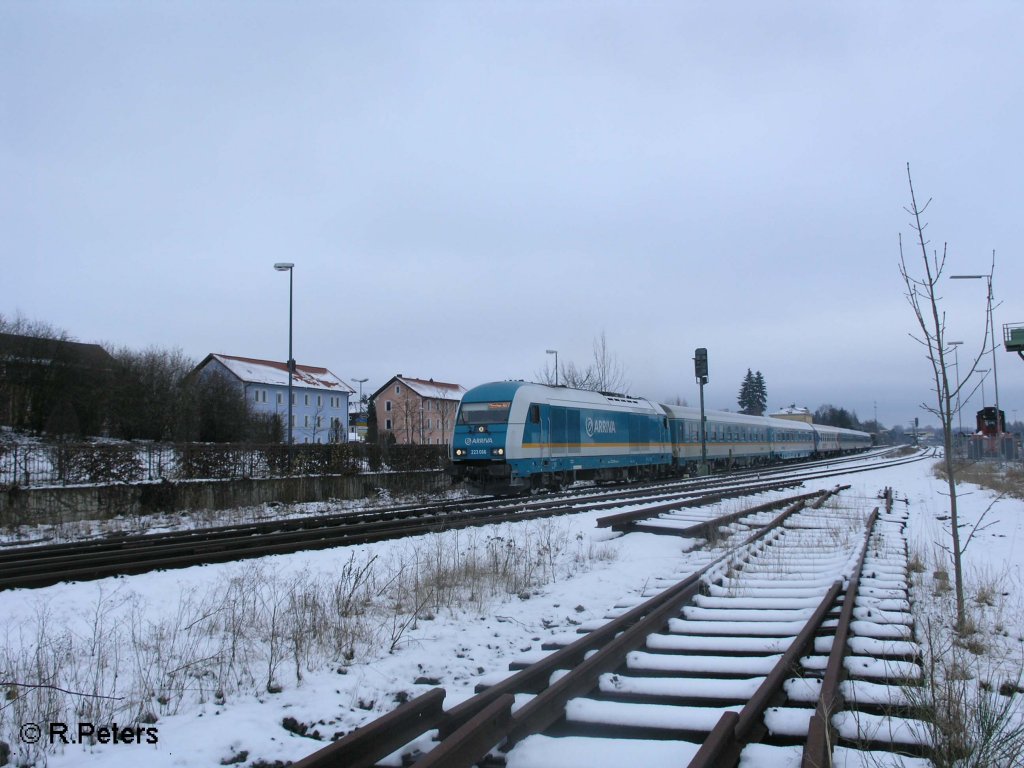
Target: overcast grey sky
pixel 463 185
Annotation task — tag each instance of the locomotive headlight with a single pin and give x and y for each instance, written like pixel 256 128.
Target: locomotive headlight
pixel 497 451
pixel 460 451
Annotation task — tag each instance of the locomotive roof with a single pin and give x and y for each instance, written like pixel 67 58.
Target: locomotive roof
pixel 506 390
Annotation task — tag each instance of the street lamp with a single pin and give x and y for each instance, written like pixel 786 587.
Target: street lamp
pixel 289 268
pixel 989 328
pixel 360 382
pixel 555 353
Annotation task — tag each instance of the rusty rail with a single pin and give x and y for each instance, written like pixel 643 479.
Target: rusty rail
pixel 821 735
pixel 626 520
pixel 707 529
pixel 373 742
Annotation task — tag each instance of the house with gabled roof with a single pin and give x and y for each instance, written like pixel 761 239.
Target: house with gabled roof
pixel 417 411
pixel 319 398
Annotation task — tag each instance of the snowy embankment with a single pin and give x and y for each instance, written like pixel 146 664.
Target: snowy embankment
pixel 241 658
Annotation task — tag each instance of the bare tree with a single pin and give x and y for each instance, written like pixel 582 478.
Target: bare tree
pixel 923 296
pixel 609 375
pixel 604 374
pixel 446 416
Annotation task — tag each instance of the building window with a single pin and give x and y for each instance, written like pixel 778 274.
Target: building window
pixel 293 398
pixel 319 401
pixel 398 389
pixel 387 424
pixel 305 420
pixel 387 406
pixel 280 398
pixel 306 397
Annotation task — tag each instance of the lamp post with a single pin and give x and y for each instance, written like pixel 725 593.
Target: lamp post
pixel 989 328
pixel 289 267
pixel 555 353
pixel 360 382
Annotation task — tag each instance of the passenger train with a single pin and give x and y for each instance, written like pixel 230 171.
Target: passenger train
pixel 514 436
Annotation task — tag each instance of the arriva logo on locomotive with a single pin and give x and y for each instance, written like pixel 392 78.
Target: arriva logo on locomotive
pixel 600 426
pixel 479 440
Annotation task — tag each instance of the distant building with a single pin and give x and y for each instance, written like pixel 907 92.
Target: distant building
pixel 53 385
pixel 417 411
pixel 794 413
pixel 319 398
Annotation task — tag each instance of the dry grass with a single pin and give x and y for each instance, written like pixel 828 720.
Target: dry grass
pixel 1005 479
pixel 969 696
pixel 255 630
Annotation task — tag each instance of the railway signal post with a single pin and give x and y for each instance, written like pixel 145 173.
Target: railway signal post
pixel 700 369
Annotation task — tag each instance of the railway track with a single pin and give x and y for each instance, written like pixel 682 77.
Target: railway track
pixel 791 647
pixel 42 566
pixel 38 566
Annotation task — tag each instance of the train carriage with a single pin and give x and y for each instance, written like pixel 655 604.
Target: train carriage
pixel 732 439
pixel 833 441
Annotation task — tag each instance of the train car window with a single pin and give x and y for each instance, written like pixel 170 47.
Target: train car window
pixel 484 413
pixel 534 413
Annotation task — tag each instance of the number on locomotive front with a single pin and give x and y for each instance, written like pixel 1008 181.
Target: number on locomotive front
pixel 475 433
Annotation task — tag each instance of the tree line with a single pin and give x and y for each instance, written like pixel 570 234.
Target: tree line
pixel 753 400
pixel 51 384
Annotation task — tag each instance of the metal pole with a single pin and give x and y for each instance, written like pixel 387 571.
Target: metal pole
pixel 359 410
pixel 291 358
pixel 959 410
pixel 703 431
pixel 992 327
pixel 290 269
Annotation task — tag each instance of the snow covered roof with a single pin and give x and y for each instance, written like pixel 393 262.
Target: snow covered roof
pixel 792 410
pixel 253 371
pixel 427 388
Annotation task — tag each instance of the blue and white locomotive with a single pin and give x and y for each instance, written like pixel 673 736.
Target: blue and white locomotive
pixel 515 436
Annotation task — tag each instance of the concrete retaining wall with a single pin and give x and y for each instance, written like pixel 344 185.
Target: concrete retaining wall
pixel 36 506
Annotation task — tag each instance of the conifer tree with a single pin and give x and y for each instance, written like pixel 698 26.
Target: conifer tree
pixel 753 398
pixel 760 394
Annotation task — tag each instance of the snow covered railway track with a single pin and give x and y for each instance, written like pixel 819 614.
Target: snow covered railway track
pixel 719 669
pixel 39 566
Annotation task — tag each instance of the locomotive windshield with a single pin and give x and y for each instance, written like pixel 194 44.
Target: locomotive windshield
pixel 484 413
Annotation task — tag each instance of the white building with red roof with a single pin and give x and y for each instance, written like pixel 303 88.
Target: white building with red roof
pixel 420 411
pixel 319 398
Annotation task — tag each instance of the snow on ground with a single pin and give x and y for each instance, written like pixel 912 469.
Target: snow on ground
pixel 453 646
